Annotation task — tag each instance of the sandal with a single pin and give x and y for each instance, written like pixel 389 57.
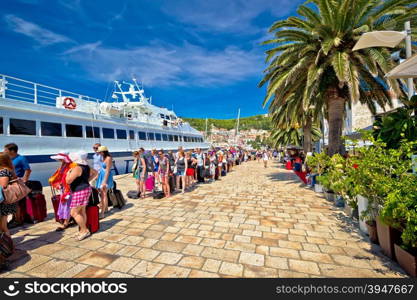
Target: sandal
pixel 58 229
pixel 84 235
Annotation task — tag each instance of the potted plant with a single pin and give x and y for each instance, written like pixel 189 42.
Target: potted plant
pixel 318 163
pixel 400 211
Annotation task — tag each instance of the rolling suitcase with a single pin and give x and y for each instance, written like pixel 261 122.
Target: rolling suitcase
pixel 55 203
pixel 150 183
pixel 35 208
pixel 171 181
pixel 133 194
pixel 92 218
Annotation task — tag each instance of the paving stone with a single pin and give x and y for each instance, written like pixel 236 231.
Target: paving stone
pixel 146 269
pixel 259 272
pixel 317 257
pixel 127 251
pixel 284 252
pixel 202 274
pixel 97 259
pixel 232 269
pixel 169 246
pixel 212 265
pixel 173 272
pixel 221 254
pixel 122 264
pixel 146 254
pixel 276 262
pixel 193 262
pixel 304 267
pixel 52 268
pixel 252 259
pixel 192 249
pixel 93 272
pixel 168 258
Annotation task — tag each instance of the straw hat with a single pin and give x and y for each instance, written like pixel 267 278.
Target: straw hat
pixel 102 149
pixel 62 155
pixel 79 158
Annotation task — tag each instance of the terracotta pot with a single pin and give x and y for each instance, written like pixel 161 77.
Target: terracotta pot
pixel 373 234
pixel 407 260
pixel 387 236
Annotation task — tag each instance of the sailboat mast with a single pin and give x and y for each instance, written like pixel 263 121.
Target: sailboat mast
pixel 237 125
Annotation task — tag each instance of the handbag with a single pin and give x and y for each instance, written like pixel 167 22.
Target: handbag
pixel 15 191
pixel 6 245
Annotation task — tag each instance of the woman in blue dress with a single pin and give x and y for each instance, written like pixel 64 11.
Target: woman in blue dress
pixel 105 179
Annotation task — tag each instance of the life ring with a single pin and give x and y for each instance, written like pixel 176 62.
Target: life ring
pixel 69 103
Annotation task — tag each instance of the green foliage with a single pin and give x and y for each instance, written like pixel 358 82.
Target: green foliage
pixel 318 162
pixel 400 209
pixel 259 122
pixel 398 125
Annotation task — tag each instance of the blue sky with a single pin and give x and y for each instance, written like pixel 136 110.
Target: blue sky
pixel 203 57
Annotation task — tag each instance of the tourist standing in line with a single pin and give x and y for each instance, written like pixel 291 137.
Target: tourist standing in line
pixel 136 170
pixel 23 171
pixel 143 172
pixel 97 158
pixel 265 157
pixel 58 182
pixel 200 165
pixel 6 174
pixel 190 169
pixel 79 180
pixel 181 167
pixel 155 159
pixel 164 170
pixel 105 179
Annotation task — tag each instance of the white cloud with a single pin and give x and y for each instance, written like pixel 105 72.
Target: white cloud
pixel 41 35
pixel 167 65
pixel 227 16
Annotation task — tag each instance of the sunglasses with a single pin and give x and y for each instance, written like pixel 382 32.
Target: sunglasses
pixel 95 148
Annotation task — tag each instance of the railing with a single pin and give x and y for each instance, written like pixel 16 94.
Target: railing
pixel 22 90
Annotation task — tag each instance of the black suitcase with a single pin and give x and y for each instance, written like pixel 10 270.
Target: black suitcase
pixel 158 195
pixel 94 198
pixel 171 181
pixel 133 194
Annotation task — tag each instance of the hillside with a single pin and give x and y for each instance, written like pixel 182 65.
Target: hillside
pixel 254 122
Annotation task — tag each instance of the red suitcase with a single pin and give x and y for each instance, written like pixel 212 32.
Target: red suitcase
pixel 92 219
pixel 55 203
pixel 36 207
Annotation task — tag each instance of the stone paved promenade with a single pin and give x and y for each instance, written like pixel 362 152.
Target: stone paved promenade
pixel 255 222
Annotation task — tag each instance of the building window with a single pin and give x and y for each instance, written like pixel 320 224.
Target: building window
pixel 108 133
pixel 51 129
pixel 151 136
pixel 74 130
pixel 1 126
pixel 165 137
pixel 142 135
pixel 92 132
pixel 23 127
pixel 121 134
pixel 158 136
pixel 131 134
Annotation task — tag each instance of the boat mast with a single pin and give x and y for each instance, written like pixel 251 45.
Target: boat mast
pixel 237 125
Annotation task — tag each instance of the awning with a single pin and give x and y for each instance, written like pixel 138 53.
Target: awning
pixel 379 39
pixel 407 69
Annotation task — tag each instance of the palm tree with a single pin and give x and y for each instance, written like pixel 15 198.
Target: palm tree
pixel 292 113
pixel 312 55
pixel 291 136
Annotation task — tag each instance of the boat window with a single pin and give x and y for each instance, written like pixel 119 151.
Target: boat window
pixel 92 132
pixel 167 117
pixel 158 136
pixel 142 135
pixel 131 134
pixel 24 127
pixel 162 116
pixel 121 134
pixel 171 137
pixel 51 129
pixel 165 137
pixel 1 125
pixel 151 136
pixel 186 139
pixel 108 133
pixel 74 130
pixel 176 138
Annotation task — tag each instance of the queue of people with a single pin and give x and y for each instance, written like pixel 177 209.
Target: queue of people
pixel 74 182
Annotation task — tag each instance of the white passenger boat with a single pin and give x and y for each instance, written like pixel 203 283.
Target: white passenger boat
pixel 43 120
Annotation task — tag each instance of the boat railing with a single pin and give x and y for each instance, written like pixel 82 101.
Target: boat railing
pixel 23 90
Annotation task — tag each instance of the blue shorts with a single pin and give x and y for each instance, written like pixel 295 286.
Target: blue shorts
pixel 180 172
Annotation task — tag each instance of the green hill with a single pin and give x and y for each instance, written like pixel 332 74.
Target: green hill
pixel 254 122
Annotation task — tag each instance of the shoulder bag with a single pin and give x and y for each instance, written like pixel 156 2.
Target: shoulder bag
pixel 15 191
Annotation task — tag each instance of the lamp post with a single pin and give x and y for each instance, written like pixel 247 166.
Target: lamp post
pixel 388 39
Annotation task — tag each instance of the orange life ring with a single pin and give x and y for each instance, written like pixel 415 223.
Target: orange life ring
pixel 69 103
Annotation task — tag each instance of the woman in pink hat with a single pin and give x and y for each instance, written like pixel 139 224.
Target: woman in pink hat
pixel 57 182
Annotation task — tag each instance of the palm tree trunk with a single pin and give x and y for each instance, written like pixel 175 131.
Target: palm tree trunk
pixel 336 108
pixel 307 146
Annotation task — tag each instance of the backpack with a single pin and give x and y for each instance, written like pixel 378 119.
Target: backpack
pixel 150 165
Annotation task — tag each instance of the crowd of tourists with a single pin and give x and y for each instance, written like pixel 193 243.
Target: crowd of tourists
pixel 77 187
